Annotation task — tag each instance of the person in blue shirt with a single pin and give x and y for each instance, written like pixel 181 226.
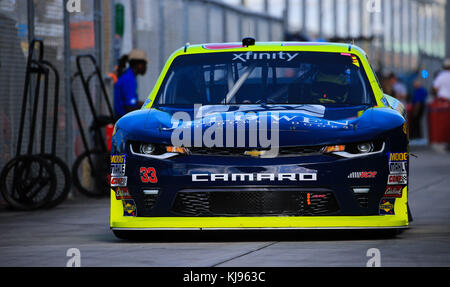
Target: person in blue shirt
pixel 125 90
pixel 418 101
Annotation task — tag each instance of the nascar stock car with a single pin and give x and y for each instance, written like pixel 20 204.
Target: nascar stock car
pixel 256 135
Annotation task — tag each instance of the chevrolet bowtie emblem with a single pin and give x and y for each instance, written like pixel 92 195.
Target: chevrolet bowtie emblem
pixel 254 153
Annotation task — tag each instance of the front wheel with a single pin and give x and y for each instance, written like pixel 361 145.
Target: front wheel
pixel 126 234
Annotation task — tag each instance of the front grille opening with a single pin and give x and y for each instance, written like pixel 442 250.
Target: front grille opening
pixel 225 151
pixel 149 200
pixel 363 200
pixel 255 203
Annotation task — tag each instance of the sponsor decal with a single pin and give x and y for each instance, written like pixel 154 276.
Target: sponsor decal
pixel 122 193
pixel 384 101
pixel 244 57
pixel 310 176
pixel 398 178
pixel 309 196
pixel 393 191
pixel 148 174
pixel 363 174
pixel 118 159
pixel 254 153
pixel 118 181
pixel 355 61
pixel 397 167
pixel 398 156
pixel 118 169
pixel 387 206
pixel 405 129
pixel 129 207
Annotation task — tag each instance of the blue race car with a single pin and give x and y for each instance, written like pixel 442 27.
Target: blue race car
pixel 248 135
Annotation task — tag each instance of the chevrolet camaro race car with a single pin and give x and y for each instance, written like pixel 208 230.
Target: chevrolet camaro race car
pixel 273 135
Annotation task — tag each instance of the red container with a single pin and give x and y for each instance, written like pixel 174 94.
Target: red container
pixel 109 133
pixel 439 121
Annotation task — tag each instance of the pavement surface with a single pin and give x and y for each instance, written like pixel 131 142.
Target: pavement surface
pixel 44 238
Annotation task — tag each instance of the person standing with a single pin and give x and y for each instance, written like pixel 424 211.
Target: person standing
pixel 441 84
pixel 126 97
pixel 441 88
pixel 418 101
pixel 398 89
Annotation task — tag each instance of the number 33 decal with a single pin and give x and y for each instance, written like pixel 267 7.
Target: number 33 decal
pixel 148 174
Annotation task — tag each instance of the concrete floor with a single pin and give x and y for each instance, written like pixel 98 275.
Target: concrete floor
pixel 42 238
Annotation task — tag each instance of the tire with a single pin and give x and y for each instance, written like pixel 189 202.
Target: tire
pixel 92 182
pixel 126 234
pixel 410 217
pixel 28 182
pixel 63 180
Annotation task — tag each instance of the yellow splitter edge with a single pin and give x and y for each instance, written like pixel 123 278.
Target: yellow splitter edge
pixel 120 222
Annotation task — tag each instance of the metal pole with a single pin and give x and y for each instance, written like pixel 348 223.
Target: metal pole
pixel 418 29
pixel 370 33
pixel 133 23
pixel 266 6
pixel 185 22
pixel 392 31
pixel 410 34
pixel 303 7
pixel 383 36
pixel 320 17
pixel 98 34
pixel 437 40
pixel 429 36
pixel 225 28
pixel 335 18
pixel 349 22
pixel 420 19
pixel 401 34
pixel 67 89
pixel 208 23
pixel 286 18
pixel 30 19
pixel 362 26
pixel 161 43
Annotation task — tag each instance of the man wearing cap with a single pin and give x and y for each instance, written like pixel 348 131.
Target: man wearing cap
pixel 441 84
pixel 125 90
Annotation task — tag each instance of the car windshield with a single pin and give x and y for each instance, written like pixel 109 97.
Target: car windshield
pixel 280 77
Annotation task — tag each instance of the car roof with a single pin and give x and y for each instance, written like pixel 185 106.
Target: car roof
pixel 272 46
pixel 287 46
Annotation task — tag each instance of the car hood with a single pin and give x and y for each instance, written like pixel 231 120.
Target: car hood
pixel 297 125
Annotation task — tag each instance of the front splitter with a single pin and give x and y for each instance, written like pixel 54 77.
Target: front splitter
pixel 120 222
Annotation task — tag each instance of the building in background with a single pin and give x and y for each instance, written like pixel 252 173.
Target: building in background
pixel 402 36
